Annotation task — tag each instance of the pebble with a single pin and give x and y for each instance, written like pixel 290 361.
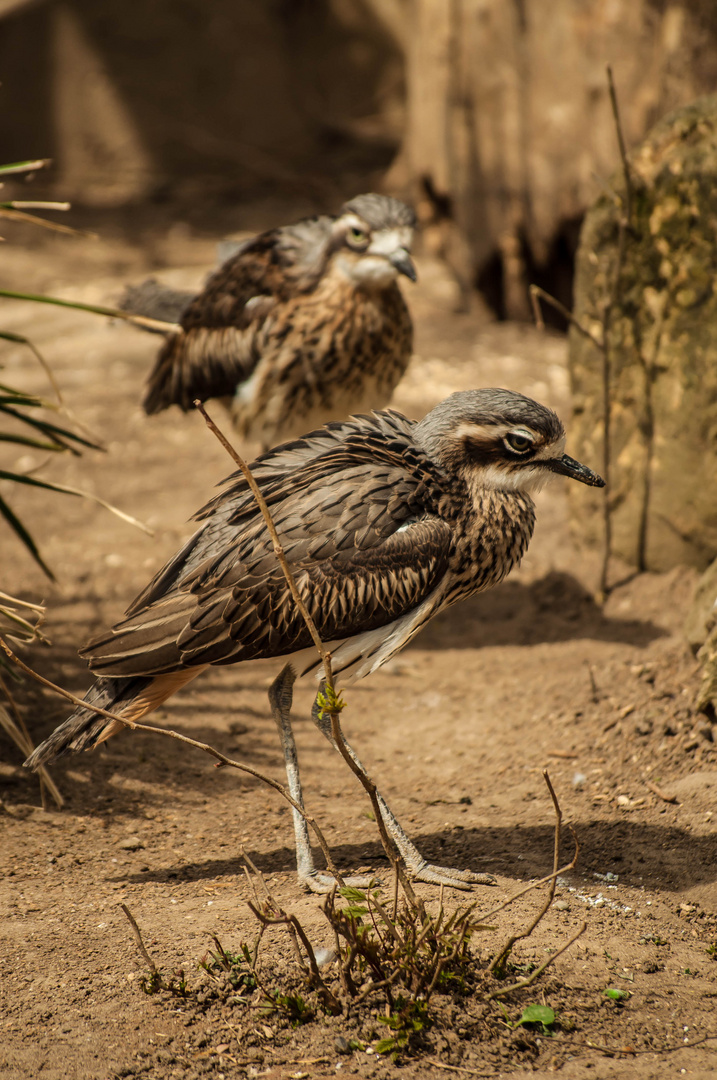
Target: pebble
pixel 341 1045
pixel 561 905
pixel 131 843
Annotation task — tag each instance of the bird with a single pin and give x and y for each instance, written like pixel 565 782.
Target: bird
pixel 301 325
pixel 385 522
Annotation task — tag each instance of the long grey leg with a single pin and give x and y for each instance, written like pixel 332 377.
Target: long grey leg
pixel 419 869
pixel 281 695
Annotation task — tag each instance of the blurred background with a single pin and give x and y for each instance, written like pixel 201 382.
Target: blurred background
pixel 492 116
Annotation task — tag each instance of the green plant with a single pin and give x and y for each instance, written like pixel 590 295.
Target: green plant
pixel 240 968
pixel 409 1018
pixel 618 996
pixel 156 981
pixel 292 1006
pixel 540 1015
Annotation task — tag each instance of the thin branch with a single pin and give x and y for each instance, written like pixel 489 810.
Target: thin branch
pixel 659 792
pixel 372 793
pixel 278 549
pixel 336 732
pixel 628 202
pixel 522 983
pixel 536 294
pixel 502 956
pixel 138 938
pixel 205 747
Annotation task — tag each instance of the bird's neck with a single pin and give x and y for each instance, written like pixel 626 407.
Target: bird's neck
pixel 498 531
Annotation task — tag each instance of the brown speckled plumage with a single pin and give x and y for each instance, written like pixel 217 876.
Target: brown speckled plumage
pixel 385 522
pixel 304 324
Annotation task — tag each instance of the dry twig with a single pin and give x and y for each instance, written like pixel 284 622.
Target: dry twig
pixel 499 960
pixel 336 731
pixel 138 938
pixel 222 759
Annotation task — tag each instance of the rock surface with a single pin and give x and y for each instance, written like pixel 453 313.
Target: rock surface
pixel 662 343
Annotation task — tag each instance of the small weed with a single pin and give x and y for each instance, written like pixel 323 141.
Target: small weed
pixel 409 1017
pixel 618 996
pixel 238 967
pixel 155 982
pixel 541 1015
pixel 292 1006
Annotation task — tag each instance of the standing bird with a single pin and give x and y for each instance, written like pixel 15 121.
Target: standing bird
pixel 384 521
pixel 302 325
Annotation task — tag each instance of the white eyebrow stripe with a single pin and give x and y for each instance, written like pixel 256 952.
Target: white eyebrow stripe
pixel 493 432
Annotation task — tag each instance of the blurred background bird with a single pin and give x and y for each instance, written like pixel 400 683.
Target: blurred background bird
pixel 301 325
pixel 384 521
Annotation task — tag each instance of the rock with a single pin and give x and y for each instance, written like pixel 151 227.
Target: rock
pixel 131 843
pixel 342 1045
pixel 662 341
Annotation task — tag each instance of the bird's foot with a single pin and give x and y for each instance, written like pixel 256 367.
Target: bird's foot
pixel 322 884
pixel 447 875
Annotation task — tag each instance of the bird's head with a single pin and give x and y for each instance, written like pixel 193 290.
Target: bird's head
pixel 371 240
pixel 499 439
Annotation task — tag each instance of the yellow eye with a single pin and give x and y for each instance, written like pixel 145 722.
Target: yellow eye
pixel 358 236
pixel 515 440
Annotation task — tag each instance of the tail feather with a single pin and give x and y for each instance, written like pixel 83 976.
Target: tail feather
pixel 85 729
pixel 131 698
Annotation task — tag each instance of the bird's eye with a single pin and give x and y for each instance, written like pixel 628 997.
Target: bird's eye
pixel 357 236
pixel 514 440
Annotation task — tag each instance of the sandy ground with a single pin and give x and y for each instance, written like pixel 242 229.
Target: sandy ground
pixel 457 732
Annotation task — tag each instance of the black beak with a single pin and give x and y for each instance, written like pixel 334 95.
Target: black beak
pixel 403 263
pixel 568 466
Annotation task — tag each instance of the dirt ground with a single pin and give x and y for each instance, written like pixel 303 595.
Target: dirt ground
pixel 457 732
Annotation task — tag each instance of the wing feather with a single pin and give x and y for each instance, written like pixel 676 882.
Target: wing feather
pixel 220 342
pixel 366 544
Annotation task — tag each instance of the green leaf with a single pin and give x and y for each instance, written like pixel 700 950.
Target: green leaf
pixel 37 444
pixel 19 529
pixel 350 893
pixel 385 1046
pixel 355 911
pixel 51 430
pixel 537 1014
pixel 616 995
pixel 25 166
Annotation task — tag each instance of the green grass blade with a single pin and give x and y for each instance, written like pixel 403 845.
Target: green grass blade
pixel 21 532
pixel 96 309
pixel 52 430
pixel 21 478
pixel 25 166
pixel 25 440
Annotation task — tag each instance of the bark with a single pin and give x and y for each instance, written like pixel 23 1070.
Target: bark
pixel 662 342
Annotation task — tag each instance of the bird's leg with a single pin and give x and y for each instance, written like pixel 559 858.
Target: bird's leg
pixel 417 866
pixel 281 695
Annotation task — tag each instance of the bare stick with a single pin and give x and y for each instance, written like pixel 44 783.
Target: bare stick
pixel 370 788
pixel 539 970
pixel 205 747
pixel 536 294
pixel 625 223
pixel 458 1068
pixel 278 549
pixel 627 204
pixel 336 732
pixel 138 938
pixel 502 956
pixel 660 793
